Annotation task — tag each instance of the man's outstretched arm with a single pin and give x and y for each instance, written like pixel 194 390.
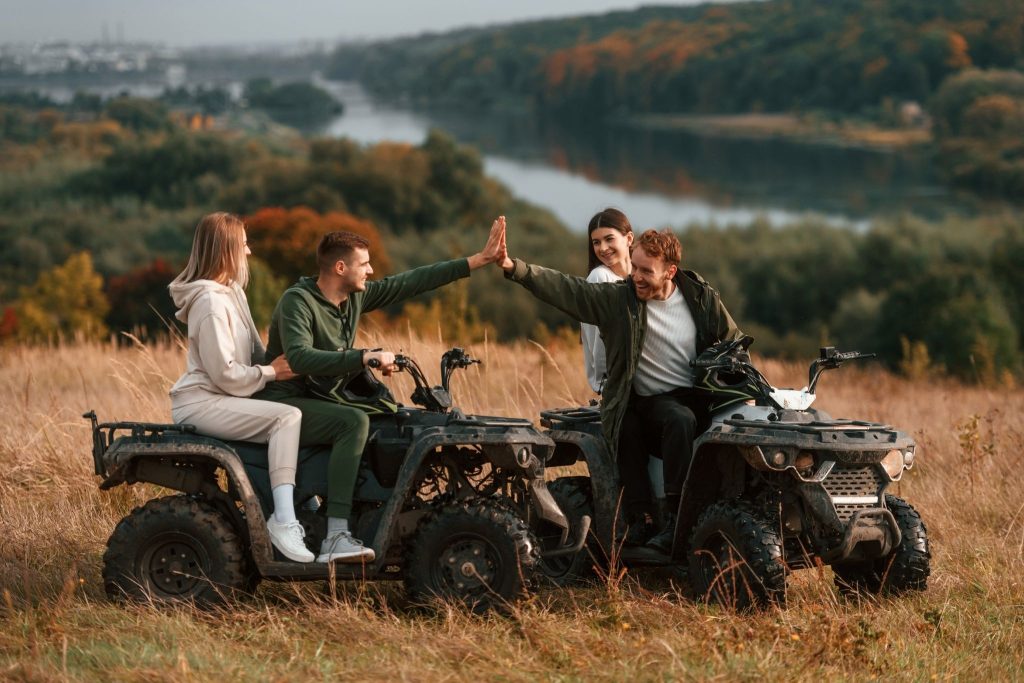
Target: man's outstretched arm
pixel 585 301
pixel 400 287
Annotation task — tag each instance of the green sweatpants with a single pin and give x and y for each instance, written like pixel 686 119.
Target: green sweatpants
pixel 345 429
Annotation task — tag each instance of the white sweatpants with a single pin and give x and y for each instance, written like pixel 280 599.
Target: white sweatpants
pixel 249 419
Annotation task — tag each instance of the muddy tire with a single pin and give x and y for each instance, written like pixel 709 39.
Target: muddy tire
pixel 574 497
pixel 479 553
pixel 904 569
pixel 736 558
pixel 175 549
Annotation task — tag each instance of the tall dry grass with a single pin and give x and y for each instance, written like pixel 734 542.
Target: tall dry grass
pixel 56 624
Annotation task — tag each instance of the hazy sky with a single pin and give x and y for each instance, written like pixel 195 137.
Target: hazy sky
pixel 205 22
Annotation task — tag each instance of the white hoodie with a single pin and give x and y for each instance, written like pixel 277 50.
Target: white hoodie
pixel 223 343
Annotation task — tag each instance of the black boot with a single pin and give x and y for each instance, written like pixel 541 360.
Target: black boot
pixel 662 542
pixel 639 529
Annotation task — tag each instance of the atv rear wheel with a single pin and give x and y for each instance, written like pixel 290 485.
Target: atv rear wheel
pixel 477 552
pixel 175 549
pixel 574 497
pixel 736 558
pixel 905 569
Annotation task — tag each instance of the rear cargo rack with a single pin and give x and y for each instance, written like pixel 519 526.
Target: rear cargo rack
pixel 579 415
pixel 103 434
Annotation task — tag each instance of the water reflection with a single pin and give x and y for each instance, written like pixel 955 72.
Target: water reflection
pixel 535 166
pixel 667 177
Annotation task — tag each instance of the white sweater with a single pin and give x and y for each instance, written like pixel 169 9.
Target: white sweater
pixel 593 347
pixel 222 343
pixel 669 346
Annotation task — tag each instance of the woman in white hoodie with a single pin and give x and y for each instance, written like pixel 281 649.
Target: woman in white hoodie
pixel 224 348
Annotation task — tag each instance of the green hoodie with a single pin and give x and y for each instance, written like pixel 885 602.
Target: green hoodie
pixel 622 319
pixel 317 337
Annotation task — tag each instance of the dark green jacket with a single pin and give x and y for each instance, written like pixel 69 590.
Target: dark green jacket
pixel 317 337
pixel 622 319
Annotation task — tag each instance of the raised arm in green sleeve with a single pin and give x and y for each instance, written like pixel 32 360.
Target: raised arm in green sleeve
pixel 588 302
pixel 399 287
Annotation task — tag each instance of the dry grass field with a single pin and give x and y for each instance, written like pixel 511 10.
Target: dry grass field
pixel 55 623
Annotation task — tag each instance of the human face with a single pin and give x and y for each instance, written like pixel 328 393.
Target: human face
pixel 356 268
pixel 612 248
pixel 652 277
pixel 245 243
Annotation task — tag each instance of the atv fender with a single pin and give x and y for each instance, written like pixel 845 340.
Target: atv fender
pixel 572 446
pixel 502 445
pixel 132 459
pixel 716 471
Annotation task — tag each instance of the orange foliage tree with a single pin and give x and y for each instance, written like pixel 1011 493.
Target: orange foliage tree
pixel 286 239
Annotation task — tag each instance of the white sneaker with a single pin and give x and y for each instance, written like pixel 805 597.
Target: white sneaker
pixel 287 538
pixel 342 547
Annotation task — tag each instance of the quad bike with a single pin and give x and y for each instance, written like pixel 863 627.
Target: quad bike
pixel 773 485
pixel 445 500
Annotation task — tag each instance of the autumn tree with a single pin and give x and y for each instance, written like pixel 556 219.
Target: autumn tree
pixel 286 239
pixel 139 300
pixel 66 301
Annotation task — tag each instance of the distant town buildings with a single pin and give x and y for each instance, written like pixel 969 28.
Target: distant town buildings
pixel 67 58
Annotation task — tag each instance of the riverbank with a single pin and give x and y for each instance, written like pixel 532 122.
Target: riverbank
pixel 791 127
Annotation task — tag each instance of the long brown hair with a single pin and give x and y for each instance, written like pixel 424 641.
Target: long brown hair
pixel 218 251
pixel 609 218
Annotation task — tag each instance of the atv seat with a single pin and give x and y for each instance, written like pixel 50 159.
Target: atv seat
pixel 310 473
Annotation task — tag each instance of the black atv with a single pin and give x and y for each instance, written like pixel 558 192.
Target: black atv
pixel 445 500
pixel 773 486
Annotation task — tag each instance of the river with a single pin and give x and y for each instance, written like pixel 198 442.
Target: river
pixel 667 178
pixel 659 178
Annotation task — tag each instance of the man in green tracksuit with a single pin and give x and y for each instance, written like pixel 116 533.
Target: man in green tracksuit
pixel 314 326
pixel 653 324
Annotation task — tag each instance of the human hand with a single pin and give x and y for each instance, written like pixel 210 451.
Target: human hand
pixel 493 249
pixel 282 370
pixel 503 260
pixel 382 360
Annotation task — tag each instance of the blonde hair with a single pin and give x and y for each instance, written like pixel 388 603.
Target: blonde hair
pixel 218 251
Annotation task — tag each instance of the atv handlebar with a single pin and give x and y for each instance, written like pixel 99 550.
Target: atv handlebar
pixel 830 359
pixel 438 398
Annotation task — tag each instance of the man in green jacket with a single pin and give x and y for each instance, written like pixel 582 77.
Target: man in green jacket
pixel 314 326
pixel 653 324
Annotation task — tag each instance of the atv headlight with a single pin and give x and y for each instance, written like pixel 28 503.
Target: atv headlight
pixel 523 456
pixel 908 457
pixel 892 463
pixel 804 462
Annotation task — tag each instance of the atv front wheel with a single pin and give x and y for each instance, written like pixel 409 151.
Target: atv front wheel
pixel 175 549
pixel 905 569
pixel 736 558
pixel 477 552
pixel 574 498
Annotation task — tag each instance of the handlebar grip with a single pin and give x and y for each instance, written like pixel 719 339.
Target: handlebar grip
pixel 698 363
pixel 851 355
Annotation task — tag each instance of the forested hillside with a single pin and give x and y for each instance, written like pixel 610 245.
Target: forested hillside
pixel 98 209
pixel 116 193
pixel 779 55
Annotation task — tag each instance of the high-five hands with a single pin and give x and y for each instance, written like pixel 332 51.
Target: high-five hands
pixel 503 260
pixel 493 250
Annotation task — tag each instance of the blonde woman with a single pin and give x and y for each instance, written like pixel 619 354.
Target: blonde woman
pixel 224 348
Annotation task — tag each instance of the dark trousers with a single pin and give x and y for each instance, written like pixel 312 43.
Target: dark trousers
pixel 664 425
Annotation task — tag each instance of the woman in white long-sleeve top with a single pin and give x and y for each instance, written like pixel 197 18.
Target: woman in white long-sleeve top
pixel 610 238
pixel 224 349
